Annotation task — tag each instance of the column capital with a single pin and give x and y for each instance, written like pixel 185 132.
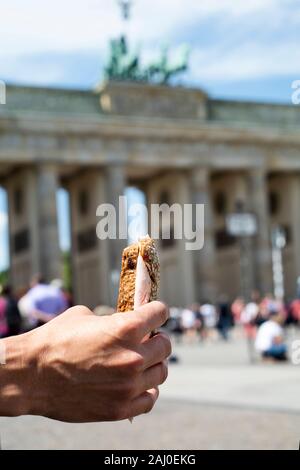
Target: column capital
pixel 259 173
pixel 47 166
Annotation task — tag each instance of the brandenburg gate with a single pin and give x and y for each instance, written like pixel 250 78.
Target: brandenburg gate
pixel 176 145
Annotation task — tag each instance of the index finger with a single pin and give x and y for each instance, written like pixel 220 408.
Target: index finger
pixel 148 317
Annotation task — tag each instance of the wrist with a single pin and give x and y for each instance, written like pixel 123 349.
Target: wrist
pixel 16 376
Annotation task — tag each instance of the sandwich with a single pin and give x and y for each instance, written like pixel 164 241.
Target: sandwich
pixel 139 280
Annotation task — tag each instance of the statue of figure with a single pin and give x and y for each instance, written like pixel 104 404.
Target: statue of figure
pixel 122 65
pixel 125 65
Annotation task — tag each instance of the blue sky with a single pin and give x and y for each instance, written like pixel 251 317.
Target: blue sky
pixel 240 50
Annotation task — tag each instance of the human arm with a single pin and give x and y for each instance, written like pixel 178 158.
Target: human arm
pixel 81 368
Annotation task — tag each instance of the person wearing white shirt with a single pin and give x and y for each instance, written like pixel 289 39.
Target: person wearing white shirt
pixel 269 340
pixel 209 313
pixel 188 319
pixel 249 313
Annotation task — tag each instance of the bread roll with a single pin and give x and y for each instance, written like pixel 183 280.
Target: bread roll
pixel 139 280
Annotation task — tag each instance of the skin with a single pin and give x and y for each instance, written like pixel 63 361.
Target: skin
pixel 83 368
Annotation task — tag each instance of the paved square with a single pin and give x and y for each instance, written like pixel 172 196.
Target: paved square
pixel 214 399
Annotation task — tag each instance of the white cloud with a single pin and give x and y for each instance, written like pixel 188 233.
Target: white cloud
pixel 69 24
pixel 248 61
pixel 253 38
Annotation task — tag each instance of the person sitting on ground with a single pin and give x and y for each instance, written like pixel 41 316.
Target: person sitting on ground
pixel 269 339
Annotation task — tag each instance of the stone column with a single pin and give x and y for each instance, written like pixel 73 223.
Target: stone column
pixel 294 182
pixel 115 187
pixel 205 259
pixel 258 204
pixel 49 252
pixel 24 253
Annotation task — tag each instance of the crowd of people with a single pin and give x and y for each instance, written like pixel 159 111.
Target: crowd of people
pixel 40 303
pixel 262 320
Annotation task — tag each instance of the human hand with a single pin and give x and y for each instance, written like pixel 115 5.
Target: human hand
pixel 82 368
